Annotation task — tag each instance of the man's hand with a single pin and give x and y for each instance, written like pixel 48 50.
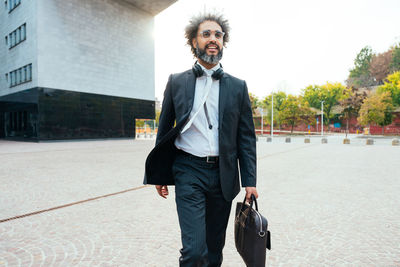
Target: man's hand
pixel 249 192
pixel 162 190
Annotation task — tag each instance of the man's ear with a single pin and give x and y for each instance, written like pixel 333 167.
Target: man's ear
pixel 194 42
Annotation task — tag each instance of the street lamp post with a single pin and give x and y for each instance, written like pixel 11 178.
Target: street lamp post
pixel 272 116
pixel 262 121
pixel 322 118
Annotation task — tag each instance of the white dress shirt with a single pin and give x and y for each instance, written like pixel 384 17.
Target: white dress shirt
pixel 196 138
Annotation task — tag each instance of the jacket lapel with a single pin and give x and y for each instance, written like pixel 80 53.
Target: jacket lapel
pixel 223 95
pixel 190 87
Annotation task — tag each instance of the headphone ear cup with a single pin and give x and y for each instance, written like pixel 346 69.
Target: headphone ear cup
pixel 197 70
pixel 218 74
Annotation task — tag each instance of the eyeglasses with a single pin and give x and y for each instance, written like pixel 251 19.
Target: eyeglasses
pixel 207 34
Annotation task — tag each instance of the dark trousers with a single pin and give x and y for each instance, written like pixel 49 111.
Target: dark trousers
pixel 203 212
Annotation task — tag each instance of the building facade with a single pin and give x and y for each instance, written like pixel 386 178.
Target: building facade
pixel 76 68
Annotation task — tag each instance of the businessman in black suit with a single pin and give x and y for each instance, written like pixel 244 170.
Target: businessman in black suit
pixel 206 129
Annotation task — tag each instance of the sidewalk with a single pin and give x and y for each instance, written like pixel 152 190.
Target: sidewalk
pixel 327 205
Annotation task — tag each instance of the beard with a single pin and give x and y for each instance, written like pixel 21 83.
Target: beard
pixel 210 59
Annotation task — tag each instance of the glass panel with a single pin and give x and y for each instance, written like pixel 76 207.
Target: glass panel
pixel 17 77
pixel 23 36
pixel 12 78
pixel 14 34
pixel 24 74
pixel 29 77
pixel 18 33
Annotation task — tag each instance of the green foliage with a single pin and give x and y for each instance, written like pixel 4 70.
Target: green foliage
pixel 330 93
pixel 360 75
pixel 392 86
pixel 279 97
pixel 139 123
pixel 377 108
pixel 361 62
pixel 294 111
pixel 254 102
pixel 158 117
pixel 395 63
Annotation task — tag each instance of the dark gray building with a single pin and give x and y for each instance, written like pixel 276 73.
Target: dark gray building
pixel 76 68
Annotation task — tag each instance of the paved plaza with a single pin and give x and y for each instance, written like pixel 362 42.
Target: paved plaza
pixel 327 204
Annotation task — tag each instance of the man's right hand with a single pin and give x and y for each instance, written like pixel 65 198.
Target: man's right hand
pixel 162 190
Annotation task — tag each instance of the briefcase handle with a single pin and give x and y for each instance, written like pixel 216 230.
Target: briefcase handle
pixel 252 199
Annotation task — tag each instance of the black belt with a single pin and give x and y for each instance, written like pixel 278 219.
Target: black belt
pixel 208 159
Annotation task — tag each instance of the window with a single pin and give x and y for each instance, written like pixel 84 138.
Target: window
pixel 23 32
pixel 21 75
pixel 12 4
pixel 29 73
pixel 17 36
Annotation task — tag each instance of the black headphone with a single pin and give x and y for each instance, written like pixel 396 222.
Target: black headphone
pixel 198 72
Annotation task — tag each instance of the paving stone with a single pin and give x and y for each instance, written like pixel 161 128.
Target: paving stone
pixel 327 205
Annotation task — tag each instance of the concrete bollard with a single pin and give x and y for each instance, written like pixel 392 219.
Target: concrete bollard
pixel 370 141
pixel 324 140
pixel 287 140
pixel 346 141
pixel 269 139
pixel 307 140
pixel 395 142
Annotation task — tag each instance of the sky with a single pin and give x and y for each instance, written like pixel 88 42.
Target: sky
pixel 280 45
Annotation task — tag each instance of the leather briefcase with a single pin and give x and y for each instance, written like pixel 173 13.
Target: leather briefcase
pixel 252 237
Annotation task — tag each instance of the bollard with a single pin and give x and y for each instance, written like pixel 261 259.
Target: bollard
pixel 269 139
pixel 324 140
pixel 395 142
pixel 307 140
pixel 346 141
pixel 370 141
pixel 287 140
pixel 256 138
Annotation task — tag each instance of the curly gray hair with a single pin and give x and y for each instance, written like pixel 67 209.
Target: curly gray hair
pixel 193 26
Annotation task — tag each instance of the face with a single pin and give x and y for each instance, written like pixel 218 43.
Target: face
pixel 209 42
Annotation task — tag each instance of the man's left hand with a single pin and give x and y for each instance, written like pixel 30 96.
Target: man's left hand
pixel 249 192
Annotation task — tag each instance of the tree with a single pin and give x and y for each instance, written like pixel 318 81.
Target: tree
pixel 330 93
pixel 351 104
pixel 254 102
pixel 360 75
pixel 392 86
pixel 377 108
pixel 293 111
pixel 380 66
pixel 395 63
pixel 279 97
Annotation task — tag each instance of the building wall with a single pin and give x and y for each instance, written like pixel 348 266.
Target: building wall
pixel 25 52
pixel 96 46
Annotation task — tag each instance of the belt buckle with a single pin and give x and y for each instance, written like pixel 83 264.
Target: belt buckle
pixel 211 159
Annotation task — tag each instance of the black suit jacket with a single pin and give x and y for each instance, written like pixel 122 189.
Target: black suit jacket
pixel 237 140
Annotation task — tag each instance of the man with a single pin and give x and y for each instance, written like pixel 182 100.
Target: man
pixel 213 132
